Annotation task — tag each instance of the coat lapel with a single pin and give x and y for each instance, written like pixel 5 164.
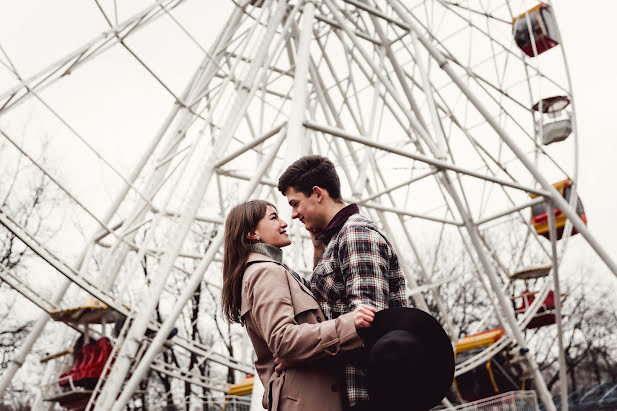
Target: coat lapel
pixel 255 258
pixel 304 287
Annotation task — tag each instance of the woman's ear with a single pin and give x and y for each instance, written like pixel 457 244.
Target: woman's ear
pixel 252 235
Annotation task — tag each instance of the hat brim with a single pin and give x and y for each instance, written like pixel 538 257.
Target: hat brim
pixel 437 356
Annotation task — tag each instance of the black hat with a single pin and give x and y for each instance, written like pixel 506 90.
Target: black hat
pixel 411 362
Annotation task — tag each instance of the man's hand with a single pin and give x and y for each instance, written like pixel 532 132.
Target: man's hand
pixel 363 316
pixel 282 364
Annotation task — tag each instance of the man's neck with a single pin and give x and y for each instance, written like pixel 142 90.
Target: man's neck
pixel 333 209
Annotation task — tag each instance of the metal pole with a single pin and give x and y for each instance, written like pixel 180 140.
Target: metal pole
pixel 559 201
pixel 399 72
pixel 298 138
pixel 155 346
pixel 77 56
pixel 471 227
pixel 326 102
pixel 563 378
pixel 504 304
pixel 509 318
pixel 298 142
pixel 28 343
pixel 18 360
pixel 435 119
pixel 418 128
pixel 441 306
pixel 133 341
pixel 420 157
pixel 201 79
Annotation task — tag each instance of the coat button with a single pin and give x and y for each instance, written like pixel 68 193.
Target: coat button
pixel 318 319
pixel 333 388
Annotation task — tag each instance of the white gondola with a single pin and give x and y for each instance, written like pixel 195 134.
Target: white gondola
pixel 554 121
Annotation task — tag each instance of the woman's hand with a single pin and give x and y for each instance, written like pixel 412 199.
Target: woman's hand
pixel 318 247
pixel 363 316
pixel 281 364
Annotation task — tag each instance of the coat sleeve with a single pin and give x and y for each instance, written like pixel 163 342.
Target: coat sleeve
pixel 273 313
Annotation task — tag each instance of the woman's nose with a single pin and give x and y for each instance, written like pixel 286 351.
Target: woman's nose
pixel 283 224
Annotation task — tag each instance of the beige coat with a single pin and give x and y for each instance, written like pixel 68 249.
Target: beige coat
pixel 283 319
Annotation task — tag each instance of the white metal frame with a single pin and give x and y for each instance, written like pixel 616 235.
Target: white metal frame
pixel 271 89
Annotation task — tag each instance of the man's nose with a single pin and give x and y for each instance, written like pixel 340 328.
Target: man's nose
pixel 294 214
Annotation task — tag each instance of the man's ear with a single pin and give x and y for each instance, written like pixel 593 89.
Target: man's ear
pixel 320 192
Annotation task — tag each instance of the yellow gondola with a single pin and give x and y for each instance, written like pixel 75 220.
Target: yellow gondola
pixel 499 374
pixel 539 216
pixel 238 397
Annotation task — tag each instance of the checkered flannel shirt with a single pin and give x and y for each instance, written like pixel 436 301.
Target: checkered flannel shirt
pixel 359 266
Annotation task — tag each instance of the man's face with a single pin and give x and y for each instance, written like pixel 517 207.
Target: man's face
pixel 309 210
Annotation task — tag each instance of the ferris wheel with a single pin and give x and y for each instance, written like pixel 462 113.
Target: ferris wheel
pixel 452 125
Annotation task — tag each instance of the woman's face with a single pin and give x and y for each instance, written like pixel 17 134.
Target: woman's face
pixel 271 229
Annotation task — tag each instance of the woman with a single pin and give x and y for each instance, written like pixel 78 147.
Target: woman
pixel 282 318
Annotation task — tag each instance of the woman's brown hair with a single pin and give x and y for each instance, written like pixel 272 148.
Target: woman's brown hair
pixel 242 219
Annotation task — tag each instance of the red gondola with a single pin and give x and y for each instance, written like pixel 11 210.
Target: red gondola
pixel 536 28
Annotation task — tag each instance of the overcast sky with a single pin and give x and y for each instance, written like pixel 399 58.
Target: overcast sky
pixel 588 32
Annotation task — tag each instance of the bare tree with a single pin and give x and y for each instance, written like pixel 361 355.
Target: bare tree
pixel 28 198
pixel 590 310
pixel 590 345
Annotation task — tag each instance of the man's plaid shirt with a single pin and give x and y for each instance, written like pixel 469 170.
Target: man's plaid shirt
pixel 359 266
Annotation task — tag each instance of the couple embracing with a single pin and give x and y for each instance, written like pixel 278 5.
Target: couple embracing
pixel 315 340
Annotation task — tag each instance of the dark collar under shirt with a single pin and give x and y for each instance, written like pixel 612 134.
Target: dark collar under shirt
pixel 335 225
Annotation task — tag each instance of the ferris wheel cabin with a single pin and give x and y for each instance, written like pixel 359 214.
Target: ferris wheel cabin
pixel 86 365
pixel 535 31
pixel 503 372
pixel 545 315
pixel 555 121
pixel 238 397
pixel 539 216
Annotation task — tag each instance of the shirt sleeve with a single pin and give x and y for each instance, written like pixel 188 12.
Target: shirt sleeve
pixel 364 257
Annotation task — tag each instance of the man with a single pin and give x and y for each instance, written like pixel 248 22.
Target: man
pixel 354 262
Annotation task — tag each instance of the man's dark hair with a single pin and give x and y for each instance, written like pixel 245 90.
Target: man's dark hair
pixel 310 171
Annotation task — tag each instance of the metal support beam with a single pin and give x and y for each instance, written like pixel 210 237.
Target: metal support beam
pixel 425 159
pixel 140 371
pixel 236 113
pixel 471 227
pixel 563 377
pixel 298 141
pixel 559 201
pixel 248 146
pixel 67 64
